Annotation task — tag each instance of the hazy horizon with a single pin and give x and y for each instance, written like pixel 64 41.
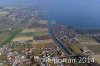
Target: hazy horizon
pixel 79 13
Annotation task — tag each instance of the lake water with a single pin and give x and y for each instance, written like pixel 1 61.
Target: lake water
pixel 78 13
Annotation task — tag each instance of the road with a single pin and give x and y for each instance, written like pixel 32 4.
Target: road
pixel 66 50
pixel 61 45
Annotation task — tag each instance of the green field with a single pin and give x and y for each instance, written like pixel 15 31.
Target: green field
pixel 3 36
pixel 11 36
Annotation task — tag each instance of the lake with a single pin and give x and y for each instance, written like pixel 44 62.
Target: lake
pixel 77 13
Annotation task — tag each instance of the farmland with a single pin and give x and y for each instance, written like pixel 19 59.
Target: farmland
pixel 3 36
pixel 11 36
pixel 86 39
pixel 28 30
pixel 94 48
pixel 4 13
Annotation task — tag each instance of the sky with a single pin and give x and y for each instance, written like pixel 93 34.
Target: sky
pixel 81 13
